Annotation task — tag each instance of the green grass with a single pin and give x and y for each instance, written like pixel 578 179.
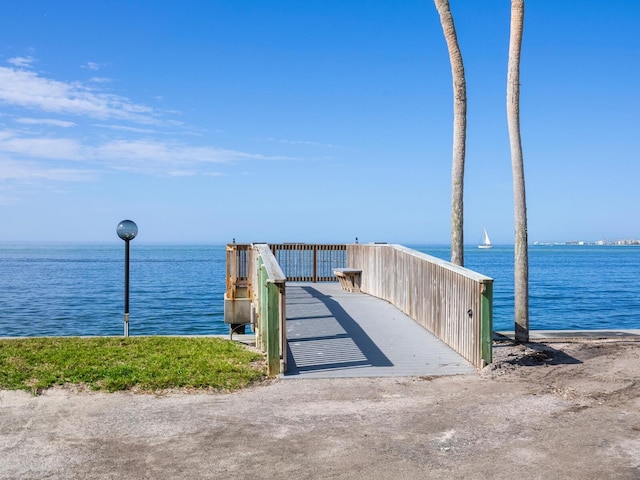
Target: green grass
pixel 147 364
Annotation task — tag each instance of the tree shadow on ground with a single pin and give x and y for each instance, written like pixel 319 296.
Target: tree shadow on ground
pixel 533 354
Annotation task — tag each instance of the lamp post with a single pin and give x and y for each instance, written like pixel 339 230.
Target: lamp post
pixel 127 231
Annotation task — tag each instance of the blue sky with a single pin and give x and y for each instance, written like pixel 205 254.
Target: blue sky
pixel 314 121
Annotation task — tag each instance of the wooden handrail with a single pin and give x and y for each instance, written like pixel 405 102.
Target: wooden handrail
pixel 274 272
pixel 452 302
pixel 305 262
pixel 255 280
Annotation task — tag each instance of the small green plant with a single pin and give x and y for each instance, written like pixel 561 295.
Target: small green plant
pixel 146 364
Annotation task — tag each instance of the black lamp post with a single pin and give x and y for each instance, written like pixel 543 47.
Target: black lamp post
pixel 127 231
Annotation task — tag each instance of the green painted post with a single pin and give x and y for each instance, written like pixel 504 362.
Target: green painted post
pixel 486 312
pixel 273 329
pixel 269 326
pixel 264 321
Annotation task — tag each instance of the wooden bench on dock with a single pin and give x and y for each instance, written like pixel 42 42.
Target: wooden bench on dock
pixel 349 278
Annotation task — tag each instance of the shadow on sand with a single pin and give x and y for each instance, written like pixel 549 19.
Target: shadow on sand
pixel 534 354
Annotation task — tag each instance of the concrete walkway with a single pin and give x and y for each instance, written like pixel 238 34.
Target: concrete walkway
pixel 333 333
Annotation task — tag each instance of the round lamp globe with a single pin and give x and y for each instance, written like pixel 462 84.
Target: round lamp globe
pixel 127 230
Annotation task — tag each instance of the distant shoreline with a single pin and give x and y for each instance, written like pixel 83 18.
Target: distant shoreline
pixel 89 243
pixel 599 243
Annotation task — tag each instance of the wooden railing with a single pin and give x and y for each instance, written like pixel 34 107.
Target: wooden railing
pixel 237 270
pixel 303 262
pixel 270 308
pixel 255 294
pixel 452 302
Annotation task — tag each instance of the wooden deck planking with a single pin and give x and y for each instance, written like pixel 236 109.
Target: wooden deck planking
pixel 334 333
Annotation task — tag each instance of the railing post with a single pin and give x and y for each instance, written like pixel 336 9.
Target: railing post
pixel 282 322
pixel 270 296
pixel 486 319
pixel 315 264
pixel 228 280
pixel 273 329
pixel 263 319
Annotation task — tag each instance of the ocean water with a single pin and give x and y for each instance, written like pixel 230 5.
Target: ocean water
pixel 178 290
pixel 79 290
pixel 572 287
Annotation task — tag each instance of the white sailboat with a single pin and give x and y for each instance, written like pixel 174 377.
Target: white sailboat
pixel 486 241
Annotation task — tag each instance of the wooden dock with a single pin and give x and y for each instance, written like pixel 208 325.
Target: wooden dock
pixel 399 311
pixel 333 333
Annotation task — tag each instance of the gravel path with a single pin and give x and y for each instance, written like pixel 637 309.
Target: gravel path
pixel 548 410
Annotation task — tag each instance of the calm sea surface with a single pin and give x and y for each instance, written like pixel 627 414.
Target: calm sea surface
pixel 178 290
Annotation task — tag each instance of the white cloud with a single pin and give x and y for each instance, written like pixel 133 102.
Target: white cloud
pixel 44 147
pixel 193 173
pixel 21 61
pixel 27 89
pixel 165 159
pixel 182 173
pixel 148 156
pixel 169 153
pixel 46 121
pixel 303 142
pixel 128 139
pixel 20 170
pixel 125 128
pixel 100 80
pixel 93 66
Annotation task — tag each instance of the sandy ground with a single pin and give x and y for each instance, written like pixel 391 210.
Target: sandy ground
pixel 558 410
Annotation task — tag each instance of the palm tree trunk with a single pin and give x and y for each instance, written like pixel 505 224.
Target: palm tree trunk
pixel 459 131
pixel 521 256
